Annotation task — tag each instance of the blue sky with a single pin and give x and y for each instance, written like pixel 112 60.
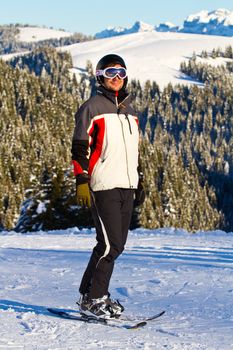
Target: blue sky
pixel 91 16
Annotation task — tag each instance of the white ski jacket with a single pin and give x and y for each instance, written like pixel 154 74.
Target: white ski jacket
pixel 105 141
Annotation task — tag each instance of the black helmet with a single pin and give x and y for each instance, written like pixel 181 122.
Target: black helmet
pixel 108 59
pixel 105 61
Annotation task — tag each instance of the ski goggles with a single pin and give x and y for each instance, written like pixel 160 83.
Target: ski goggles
pixel 112 72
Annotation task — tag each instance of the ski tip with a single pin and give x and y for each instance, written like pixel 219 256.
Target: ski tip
pixel 137 326
pixel 156 316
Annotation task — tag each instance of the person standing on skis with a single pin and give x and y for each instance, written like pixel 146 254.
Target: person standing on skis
pixel 105 159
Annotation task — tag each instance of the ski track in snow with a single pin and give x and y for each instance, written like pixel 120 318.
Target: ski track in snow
pixel 189 276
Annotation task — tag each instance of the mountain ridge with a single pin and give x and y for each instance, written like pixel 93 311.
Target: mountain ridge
pixel 216 22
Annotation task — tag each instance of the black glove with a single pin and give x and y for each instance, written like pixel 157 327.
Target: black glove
pixel 82 190
pixel 140 194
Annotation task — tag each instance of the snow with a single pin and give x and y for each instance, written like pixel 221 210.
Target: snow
pixel 9 56
pixel 201 16
pixel 188 275
pixel 41 208
pixel 218 22
pixel 215 62
pixel 167 27
pixel 229 20
pixel 169 24
pixel 33 34
pixel 206 17
pixel 149 55
pixel 138 26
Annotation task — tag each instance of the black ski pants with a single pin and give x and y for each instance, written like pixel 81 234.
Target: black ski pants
pixel 111 211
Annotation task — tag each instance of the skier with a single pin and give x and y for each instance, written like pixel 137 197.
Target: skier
pixel 105 159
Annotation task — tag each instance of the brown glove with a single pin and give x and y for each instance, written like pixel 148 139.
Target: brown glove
pixel 83 190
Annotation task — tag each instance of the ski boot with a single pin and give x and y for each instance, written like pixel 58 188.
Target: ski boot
pixel 103 307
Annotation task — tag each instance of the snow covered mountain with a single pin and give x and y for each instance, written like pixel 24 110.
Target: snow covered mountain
pixel 33 34
pixel 167 27
pixel 218 22
pixel 138 26
pixel 15 38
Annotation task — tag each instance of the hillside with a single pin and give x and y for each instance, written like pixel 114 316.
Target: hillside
pixel 33 34
pixel 149 55
pixel 18 38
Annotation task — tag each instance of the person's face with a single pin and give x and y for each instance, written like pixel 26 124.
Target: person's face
pixel 114 84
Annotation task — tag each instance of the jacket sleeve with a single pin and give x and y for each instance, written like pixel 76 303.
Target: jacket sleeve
pixel 80 144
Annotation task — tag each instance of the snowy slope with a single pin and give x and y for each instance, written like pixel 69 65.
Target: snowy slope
pixel 149 55
pixel 190 276
pixel 32 34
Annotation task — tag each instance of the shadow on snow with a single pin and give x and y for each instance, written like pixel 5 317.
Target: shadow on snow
pixel 24 308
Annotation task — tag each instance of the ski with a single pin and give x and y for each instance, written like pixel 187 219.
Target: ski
pixel 70 316
pixel 139 318
pixel 92 319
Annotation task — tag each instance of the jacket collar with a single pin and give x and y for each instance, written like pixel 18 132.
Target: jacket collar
pixel 121 99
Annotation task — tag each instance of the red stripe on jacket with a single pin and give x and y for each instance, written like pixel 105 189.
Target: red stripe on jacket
pixel 77 168
pixel 100 124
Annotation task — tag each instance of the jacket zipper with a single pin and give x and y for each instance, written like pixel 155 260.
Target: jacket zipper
pixel 126 154
pixel 126 117
pixel 126 114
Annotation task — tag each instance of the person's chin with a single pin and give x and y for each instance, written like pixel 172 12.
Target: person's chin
pixel 116 87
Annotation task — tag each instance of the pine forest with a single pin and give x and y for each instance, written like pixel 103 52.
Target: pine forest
pixel 186 145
